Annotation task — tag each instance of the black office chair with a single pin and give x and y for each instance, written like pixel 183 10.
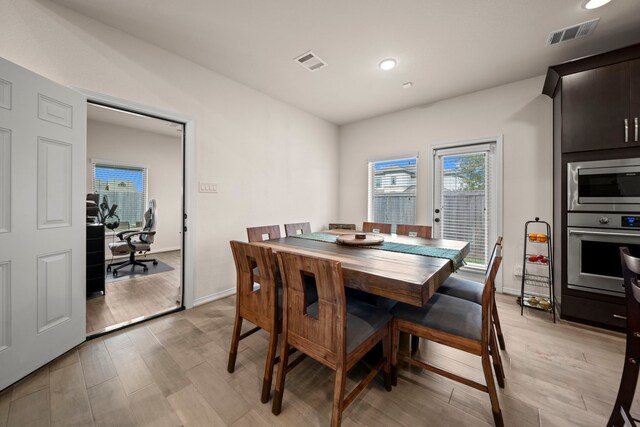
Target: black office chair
pixel 621 410
pixel 127 245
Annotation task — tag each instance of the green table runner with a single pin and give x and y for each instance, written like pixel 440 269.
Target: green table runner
pixel 453 254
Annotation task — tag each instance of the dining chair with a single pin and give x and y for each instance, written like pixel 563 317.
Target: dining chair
pixel 414 230
pixel 620 416
pixel 459 324
pixel 267 232
pixel 472 291
pixel 335 226
pixel 297 228
pixel 261 306
pixel 376 227
pixel 332 331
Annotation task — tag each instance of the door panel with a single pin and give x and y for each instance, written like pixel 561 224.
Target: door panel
pixel 635 100
pixel 595 104
pixel 42 224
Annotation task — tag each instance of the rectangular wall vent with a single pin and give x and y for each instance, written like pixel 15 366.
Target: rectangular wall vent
pixel 573 32
pixel 310 61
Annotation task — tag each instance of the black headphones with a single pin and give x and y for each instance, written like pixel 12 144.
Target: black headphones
pixel 111 221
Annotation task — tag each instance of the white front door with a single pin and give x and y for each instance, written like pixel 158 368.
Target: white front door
pixel 42 221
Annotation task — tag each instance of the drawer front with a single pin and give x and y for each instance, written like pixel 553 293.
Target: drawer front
pixel 600 312
pixel 95 285
pixel 95 271
pixel 95 245
pixel 95 231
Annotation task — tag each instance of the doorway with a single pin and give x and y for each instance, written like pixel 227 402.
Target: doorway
pixel 467 198
pixel 135 182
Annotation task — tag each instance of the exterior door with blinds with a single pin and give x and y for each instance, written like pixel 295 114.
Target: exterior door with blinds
pixel 465 202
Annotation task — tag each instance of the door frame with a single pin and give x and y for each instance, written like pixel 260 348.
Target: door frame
pixel 498 140
pixel 189 177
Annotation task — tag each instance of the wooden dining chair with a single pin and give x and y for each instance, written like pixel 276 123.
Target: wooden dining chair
pixel 333 332
pixel 460 324
pixel 472 291
pixel 335 226
pixel 262 306
pixel 267 232
pixel 620 416
pixel 414 230
pixel 376 227
pixel 297 228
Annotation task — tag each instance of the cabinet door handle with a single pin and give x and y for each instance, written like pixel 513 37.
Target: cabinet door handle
pixel 635 120
pixel 626 130
pixel 617 316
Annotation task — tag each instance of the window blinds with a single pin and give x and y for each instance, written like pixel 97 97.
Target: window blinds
pixel 466 196
pixel 392 191
pixel 125 186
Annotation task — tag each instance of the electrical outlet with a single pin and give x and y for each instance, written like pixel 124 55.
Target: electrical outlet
pixel 517 270
pixel 208 187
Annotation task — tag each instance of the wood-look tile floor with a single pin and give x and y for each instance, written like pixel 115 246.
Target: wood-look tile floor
pixel 172 371
pixel 130 298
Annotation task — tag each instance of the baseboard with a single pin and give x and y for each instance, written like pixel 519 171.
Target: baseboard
pixel 214 297
pixel 511 291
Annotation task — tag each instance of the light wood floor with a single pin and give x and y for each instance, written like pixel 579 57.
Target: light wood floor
pixel 127 298
pixel 172 371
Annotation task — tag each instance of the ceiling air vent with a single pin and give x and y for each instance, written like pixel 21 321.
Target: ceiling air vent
pixel 310 61
pixel 573 32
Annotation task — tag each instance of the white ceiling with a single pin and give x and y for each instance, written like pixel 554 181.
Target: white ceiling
pixel 446 48
pixel 135 121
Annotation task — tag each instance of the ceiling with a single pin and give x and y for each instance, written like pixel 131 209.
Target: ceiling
pixel 446 48
pixel 136 121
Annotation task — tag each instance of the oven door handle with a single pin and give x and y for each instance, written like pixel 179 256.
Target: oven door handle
pixel 602 233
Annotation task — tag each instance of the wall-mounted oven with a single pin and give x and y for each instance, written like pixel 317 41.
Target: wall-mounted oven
pixel 604 185
pixel 593 255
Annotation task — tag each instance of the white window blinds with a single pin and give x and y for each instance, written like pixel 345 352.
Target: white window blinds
pixel 467 192
pixel 124 186
pixel 392 191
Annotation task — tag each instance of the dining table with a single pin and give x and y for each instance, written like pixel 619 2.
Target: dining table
pixel 402 268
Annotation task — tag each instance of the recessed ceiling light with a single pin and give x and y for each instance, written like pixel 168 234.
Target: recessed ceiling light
pixel 407 85
pixel 388 64
pixel 594 4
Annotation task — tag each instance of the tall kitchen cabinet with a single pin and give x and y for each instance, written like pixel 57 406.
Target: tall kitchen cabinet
pixel 596 109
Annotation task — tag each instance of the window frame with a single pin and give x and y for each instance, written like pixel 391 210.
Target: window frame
pixel 124 165
pixel 371 181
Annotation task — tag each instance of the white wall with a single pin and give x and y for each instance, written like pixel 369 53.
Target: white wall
pixel 161 155
pixel 517 111
pixel 273 163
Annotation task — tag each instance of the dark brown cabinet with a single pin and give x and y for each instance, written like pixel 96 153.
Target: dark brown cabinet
pixel 595 105
pixel 634 105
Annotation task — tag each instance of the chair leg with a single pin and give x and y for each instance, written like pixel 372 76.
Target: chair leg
pixel 338 396
pixel 386 353
pixel 235 339
pixel 496 323
pixel 495 357
pixel 282 372
pixel 491 389
pixel 395 343
pixel 415 343
pixel 268 368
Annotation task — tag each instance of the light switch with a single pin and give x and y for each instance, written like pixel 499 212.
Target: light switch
pixel 208 187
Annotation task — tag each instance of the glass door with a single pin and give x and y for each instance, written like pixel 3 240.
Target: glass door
pixel 465 203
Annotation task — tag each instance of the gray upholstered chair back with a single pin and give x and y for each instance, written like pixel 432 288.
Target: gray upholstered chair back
pixel 150 222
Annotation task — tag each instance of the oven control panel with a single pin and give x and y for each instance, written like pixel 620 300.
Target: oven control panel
pixel 630 221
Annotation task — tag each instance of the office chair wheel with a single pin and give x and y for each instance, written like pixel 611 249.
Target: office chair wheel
pixel 145 269
pixel 108 269
pixel 155 262
pixel 115 273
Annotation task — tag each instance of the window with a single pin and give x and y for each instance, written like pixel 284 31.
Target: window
pixel 465 198
pixel 125 186
pixel 392 191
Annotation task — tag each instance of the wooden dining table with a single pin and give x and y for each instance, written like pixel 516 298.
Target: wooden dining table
pixel 404 277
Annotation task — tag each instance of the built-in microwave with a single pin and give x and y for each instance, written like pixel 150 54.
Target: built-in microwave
pixel 604 185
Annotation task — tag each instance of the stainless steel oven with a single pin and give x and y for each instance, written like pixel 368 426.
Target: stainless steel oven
pixel 593 257
pixel 604 185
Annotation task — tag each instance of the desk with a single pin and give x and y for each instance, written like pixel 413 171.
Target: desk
pixel 398 276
